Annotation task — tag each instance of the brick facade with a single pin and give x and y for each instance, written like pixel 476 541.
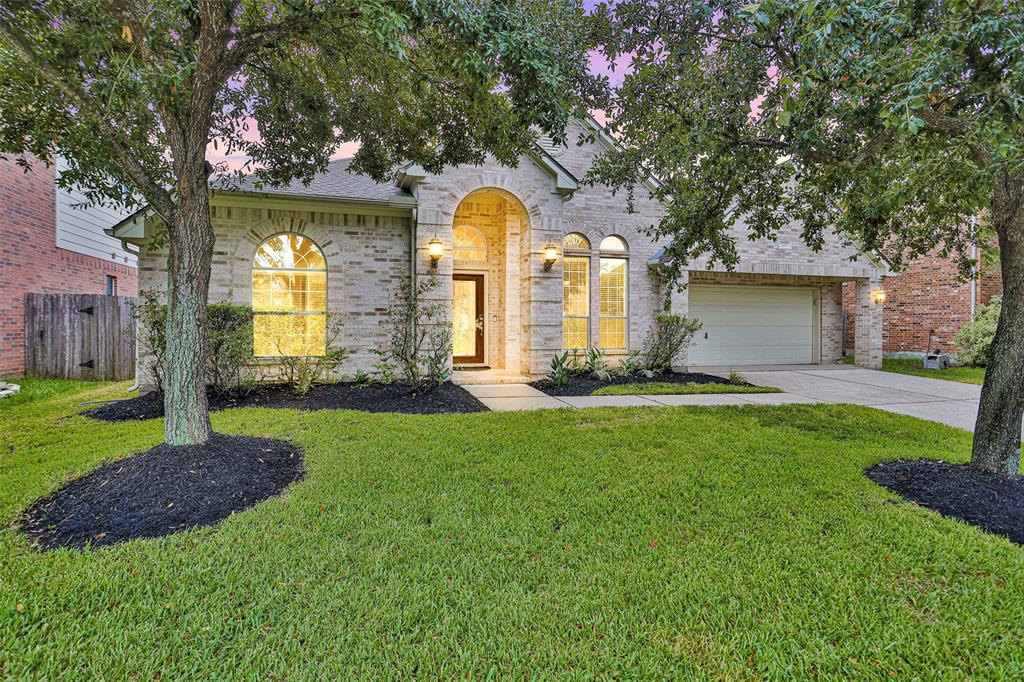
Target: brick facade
pixel 925 298
pixel 30 261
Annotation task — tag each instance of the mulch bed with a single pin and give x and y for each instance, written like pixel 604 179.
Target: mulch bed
pixel 585 385
pixel 162 491
pixel 341 396
pixel 990 501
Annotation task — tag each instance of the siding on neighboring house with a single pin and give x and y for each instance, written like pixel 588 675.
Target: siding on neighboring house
pixel 32 262
pixel 80 227
pixel 926 298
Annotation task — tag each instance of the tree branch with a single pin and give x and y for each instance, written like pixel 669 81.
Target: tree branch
pixel 149 186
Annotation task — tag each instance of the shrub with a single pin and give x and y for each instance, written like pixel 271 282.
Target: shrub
pixel 418 338
pixel 737 379
pixel 975 338
pixel 561 369
pixel 151 333
pixel 228 348
pixel 663 344
pixel 302 372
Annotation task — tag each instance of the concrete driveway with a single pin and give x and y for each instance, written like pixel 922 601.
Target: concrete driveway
pixel 938 400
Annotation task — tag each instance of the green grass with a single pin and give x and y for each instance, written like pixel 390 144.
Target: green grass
pixel 644 543
pixel 676 388
pixel 33 388
pixel 964 375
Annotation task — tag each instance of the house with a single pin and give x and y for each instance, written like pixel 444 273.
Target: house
pixel 51 244
pixel 927 302
pixel 530 261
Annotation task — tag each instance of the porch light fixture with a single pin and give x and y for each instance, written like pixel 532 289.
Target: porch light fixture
pixel 878 296
pixel 550 256
pixel 435 249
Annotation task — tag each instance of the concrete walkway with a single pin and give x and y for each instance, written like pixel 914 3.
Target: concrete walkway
pixel 509 397
pixel 938 400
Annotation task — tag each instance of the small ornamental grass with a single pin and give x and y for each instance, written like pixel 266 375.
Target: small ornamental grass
pixel 617 543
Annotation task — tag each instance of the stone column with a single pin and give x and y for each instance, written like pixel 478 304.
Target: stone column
pixel 432 221
pixel 541 309
pixel 868 331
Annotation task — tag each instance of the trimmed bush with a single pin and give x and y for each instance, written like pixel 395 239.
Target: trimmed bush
pixel 975 337
pixel 663 344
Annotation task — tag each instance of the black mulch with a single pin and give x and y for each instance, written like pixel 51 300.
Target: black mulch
pixel 585 385
pixel 162 491
pixel 341 396
pixel 991 501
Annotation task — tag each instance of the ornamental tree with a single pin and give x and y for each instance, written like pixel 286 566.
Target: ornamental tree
pixel 892 123
pixel 132 92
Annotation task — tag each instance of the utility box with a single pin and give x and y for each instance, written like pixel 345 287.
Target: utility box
pixel 936 360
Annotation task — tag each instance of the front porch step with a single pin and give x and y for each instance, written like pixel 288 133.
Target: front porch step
pixel 475 377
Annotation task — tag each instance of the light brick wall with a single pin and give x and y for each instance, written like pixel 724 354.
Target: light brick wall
pixel 367 256
pixel 31 263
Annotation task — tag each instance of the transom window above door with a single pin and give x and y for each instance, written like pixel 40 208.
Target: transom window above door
pixel 470 243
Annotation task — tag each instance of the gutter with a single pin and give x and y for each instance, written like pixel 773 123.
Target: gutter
pixel 974 257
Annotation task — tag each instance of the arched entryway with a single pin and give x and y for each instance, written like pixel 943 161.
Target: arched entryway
pixel 487 239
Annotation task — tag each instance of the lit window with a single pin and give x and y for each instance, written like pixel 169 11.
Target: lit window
pixel 576 302
pixel 614 281
pixel 470 243
pixel 613 243
pixel 575 241
pixel 289 298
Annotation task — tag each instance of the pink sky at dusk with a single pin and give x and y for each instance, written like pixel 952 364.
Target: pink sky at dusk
pixel 598 65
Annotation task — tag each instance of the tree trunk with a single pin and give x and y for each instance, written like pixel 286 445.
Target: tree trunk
pixel 997 432
pixel 187 419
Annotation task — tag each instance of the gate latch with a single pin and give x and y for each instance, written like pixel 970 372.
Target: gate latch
pixel 87 311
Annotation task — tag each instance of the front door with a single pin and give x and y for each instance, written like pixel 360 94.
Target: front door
pixel 468 318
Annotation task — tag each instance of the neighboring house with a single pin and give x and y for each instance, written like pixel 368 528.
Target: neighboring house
pixel 927 300
pixel 530 262
pixel 49 244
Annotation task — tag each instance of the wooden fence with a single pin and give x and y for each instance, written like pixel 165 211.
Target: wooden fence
pixel 80 336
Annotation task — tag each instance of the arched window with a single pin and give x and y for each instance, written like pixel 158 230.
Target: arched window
pixel 289 297
pixel 613 243
pixel 614 284
pixel 470 243
pixel 576 292
pixel 574 241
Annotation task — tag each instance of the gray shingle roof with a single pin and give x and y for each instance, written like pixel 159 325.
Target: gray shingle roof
pixel 336 182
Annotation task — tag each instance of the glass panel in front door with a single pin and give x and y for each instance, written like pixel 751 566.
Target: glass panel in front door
pixel 464 313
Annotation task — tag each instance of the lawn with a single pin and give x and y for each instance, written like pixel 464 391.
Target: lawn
pixel 965 375
pixel 36 389
pixel 643 543
pixel 670 388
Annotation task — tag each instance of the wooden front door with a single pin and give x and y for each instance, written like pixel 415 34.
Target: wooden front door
pixel 468 318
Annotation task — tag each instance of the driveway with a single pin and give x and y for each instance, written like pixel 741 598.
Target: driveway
pixel 938 400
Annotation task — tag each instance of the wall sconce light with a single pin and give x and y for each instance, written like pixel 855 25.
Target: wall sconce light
pixel 435 249
pixel 878 296
pixel 550 256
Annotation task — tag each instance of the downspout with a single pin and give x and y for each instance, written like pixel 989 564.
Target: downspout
pixel 974 257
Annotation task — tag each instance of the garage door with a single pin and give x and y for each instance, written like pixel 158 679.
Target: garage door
pixel 746 325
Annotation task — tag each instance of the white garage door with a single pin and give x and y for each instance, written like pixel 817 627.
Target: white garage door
pixel 749 325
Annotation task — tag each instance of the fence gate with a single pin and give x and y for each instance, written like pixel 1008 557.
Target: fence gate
pixel 80 336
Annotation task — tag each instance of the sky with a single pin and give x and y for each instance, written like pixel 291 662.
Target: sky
pixel 598 65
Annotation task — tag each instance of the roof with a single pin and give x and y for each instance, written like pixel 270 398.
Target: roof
pixel 336 182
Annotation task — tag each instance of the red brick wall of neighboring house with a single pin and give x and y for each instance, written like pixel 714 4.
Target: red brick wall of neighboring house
pixel 30 261
pixel 923 298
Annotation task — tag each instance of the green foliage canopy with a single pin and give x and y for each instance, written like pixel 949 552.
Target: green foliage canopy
pixel 891 122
